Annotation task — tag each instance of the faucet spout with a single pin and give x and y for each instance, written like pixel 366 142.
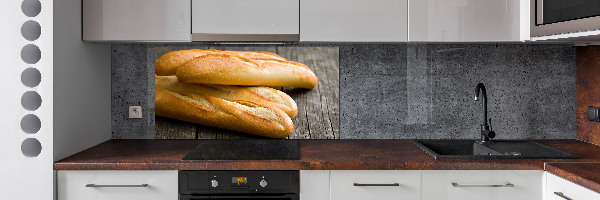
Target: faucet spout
pixel 481 88
pixel 486 133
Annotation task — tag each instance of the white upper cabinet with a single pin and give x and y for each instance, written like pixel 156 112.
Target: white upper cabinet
pixel 468 20
pixel 243 20
pixel 307 20
pixel 136 20
pixel 354 20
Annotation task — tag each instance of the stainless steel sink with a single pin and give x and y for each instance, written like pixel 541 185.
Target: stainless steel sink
pixel 492 149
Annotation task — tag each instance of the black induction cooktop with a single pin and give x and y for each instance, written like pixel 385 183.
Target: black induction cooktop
pixel 255 149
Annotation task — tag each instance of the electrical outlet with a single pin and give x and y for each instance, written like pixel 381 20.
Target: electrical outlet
pixel 135 112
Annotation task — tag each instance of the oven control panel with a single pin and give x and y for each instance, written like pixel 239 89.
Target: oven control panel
pixel 223 182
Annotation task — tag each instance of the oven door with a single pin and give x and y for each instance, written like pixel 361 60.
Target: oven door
pixel 236 197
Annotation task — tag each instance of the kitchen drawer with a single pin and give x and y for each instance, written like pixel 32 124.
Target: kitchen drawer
pixel 162 185
pixel 568 189
pixel 479 184
pixel 343 185
pixel 314 184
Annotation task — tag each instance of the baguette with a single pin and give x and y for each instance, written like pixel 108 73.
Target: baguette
pixel 167 64
pixel 223 69
pixel 263 95
pixel 242 116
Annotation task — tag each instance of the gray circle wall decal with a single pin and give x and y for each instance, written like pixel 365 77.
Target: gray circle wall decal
pixel 31 124
pixel 31 54
pixel 31 30
pixel 31 77
pixel 31 8
pixel 31 147
pixel 31 100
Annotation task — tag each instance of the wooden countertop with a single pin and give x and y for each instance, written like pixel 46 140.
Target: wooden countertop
pixel 314 155
pixel 332 155
pixel 581 173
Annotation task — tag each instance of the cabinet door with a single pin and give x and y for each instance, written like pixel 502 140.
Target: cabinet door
pixel 136 20
pixel 256 17
pixel 117 185
pixel 482 184
pixel 371 185
pixel 314 184
pixel 354 20
pixel 468 20
pixel 561 189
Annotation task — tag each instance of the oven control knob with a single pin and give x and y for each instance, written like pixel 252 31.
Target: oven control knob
pixel 214 183
pixel 263 183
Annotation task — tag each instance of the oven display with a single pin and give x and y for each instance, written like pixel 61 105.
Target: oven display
pixel 239 180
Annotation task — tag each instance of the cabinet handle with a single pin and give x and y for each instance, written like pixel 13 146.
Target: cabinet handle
pixel 94 185
pixel 505 185
pixel 367 184
pixel 560 194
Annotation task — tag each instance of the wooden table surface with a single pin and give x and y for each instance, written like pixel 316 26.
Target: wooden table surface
pixel 318 108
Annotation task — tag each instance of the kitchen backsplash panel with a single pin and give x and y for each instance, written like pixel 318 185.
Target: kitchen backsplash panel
pixel 317 106
pixel 427 90
pixel 406 90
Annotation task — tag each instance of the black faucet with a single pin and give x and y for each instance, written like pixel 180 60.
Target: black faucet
pixel 486 130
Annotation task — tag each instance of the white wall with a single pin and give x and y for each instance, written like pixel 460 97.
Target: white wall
pixel 74 88
pixel 23 177
pixel 82 84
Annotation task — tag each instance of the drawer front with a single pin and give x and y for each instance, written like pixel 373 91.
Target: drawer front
pixel 162 185
pixel 246 17
pixel 482 184
pixel 566 189
pixel 407 185
pixel 314 184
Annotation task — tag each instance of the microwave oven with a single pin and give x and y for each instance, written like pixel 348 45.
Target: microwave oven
pixel 555 19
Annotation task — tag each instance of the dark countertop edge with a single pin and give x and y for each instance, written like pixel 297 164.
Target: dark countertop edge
pixel 577 178
pixel 101 157
pixel 113 155
pixel 290 166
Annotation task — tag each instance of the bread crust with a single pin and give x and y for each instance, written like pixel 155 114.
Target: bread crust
pixel 237 115
pixel 168 63
pixel 223 69
pixel 262 95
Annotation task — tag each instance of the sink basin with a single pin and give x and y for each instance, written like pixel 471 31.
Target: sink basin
pixel 493 149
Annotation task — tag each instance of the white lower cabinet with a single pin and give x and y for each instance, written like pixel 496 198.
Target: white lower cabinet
pixel 314 184
pixel 340 185
pixel 561 189
pixel 375 185
pixel 117 185
pixel 482 184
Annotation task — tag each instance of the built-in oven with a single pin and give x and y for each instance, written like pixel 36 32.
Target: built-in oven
pixel 233 185
pixel 555 17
